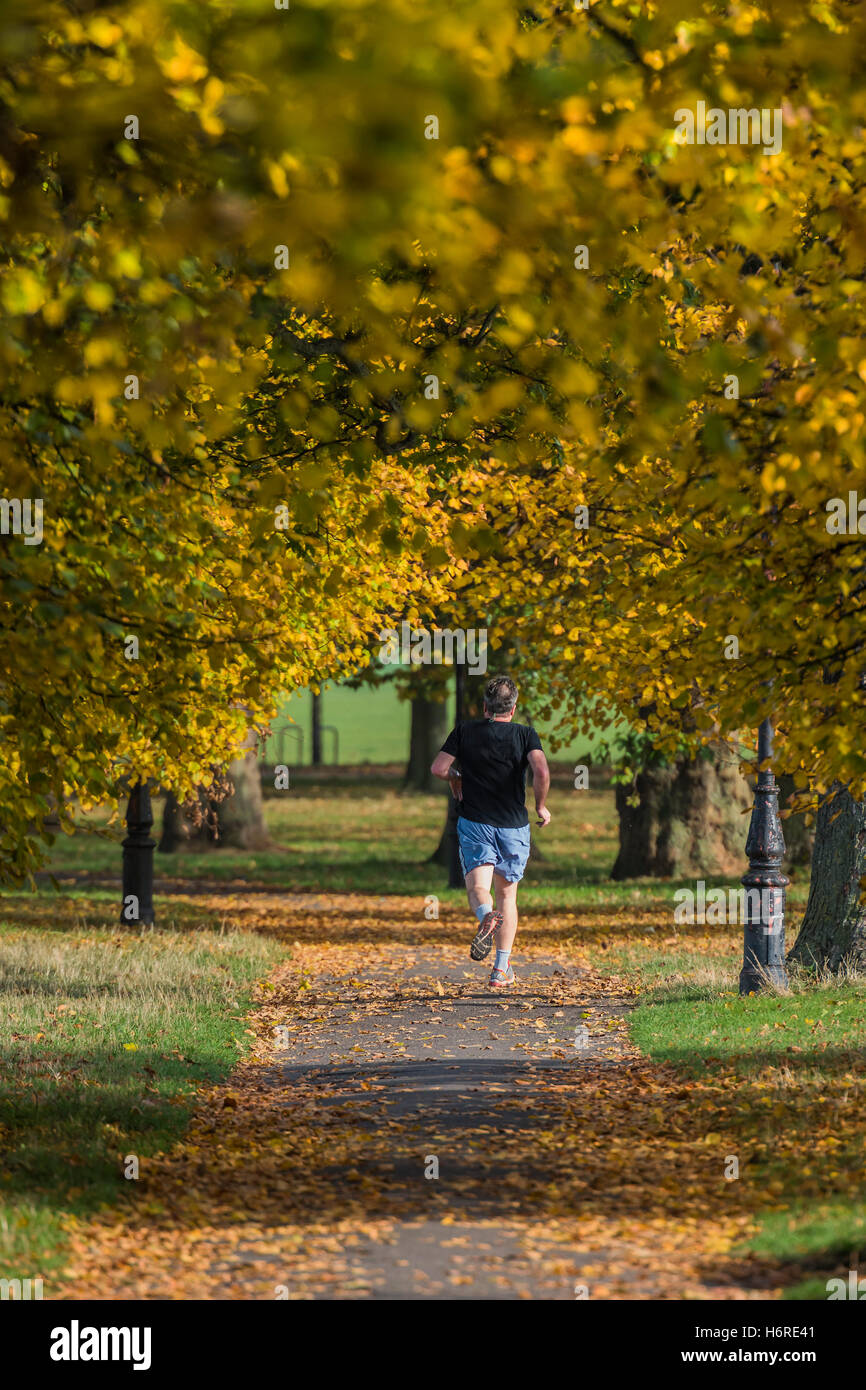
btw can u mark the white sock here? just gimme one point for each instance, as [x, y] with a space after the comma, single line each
[501, 962]
[482, 911]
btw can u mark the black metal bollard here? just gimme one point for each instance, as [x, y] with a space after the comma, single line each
[138, 850]
[765, 884]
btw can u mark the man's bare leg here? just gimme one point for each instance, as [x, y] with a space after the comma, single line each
[506, 903]
[478, 882]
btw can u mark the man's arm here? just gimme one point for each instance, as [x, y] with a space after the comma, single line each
[441, 767]
[540, 783]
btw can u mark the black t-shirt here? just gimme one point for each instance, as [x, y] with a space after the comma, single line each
[493, 757]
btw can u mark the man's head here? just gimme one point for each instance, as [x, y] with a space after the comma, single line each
[500, 697]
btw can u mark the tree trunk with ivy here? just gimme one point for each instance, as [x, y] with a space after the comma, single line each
[690, 819]
[234, 822]
[833, 933]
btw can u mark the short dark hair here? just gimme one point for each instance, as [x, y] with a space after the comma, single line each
[500, 694]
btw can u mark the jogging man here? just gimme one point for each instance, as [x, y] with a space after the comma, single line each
[493, 826]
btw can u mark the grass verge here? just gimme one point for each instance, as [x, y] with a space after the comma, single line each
[106, 1036]
[784, 1076]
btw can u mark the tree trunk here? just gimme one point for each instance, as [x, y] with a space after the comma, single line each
[833, 934]
[442, 852]
[240, 817]
[179, 830]
[428, 733]
[689, 820]
[236, 822]
[799, 837]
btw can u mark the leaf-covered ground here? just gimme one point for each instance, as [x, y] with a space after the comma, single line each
[561, 1167]
[287, 1065]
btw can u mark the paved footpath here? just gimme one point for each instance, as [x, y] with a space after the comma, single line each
[470, 1064]
[399, 1132]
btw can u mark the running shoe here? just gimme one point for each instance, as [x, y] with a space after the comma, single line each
[483, 939]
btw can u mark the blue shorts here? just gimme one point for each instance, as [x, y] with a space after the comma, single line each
[505, 847]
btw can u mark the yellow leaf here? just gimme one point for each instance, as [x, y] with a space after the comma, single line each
[23, 292]
[98, 295]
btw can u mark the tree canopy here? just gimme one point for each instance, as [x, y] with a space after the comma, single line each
[315, 316]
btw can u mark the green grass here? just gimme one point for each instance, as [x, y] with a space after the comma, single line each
[364, 835]
[797, 1061]
[689, 1022]
[106, 1037]
[373, 724]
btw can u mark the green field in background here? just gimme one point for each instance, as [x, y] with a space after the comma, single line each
[373, 726]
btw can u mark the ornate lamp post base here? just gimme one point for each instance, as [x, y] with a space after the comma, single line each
[765, 884]
[138, 850]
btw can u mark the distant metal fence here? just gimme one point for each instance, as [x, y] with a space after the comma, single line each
[331, 729]
[273, 749]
